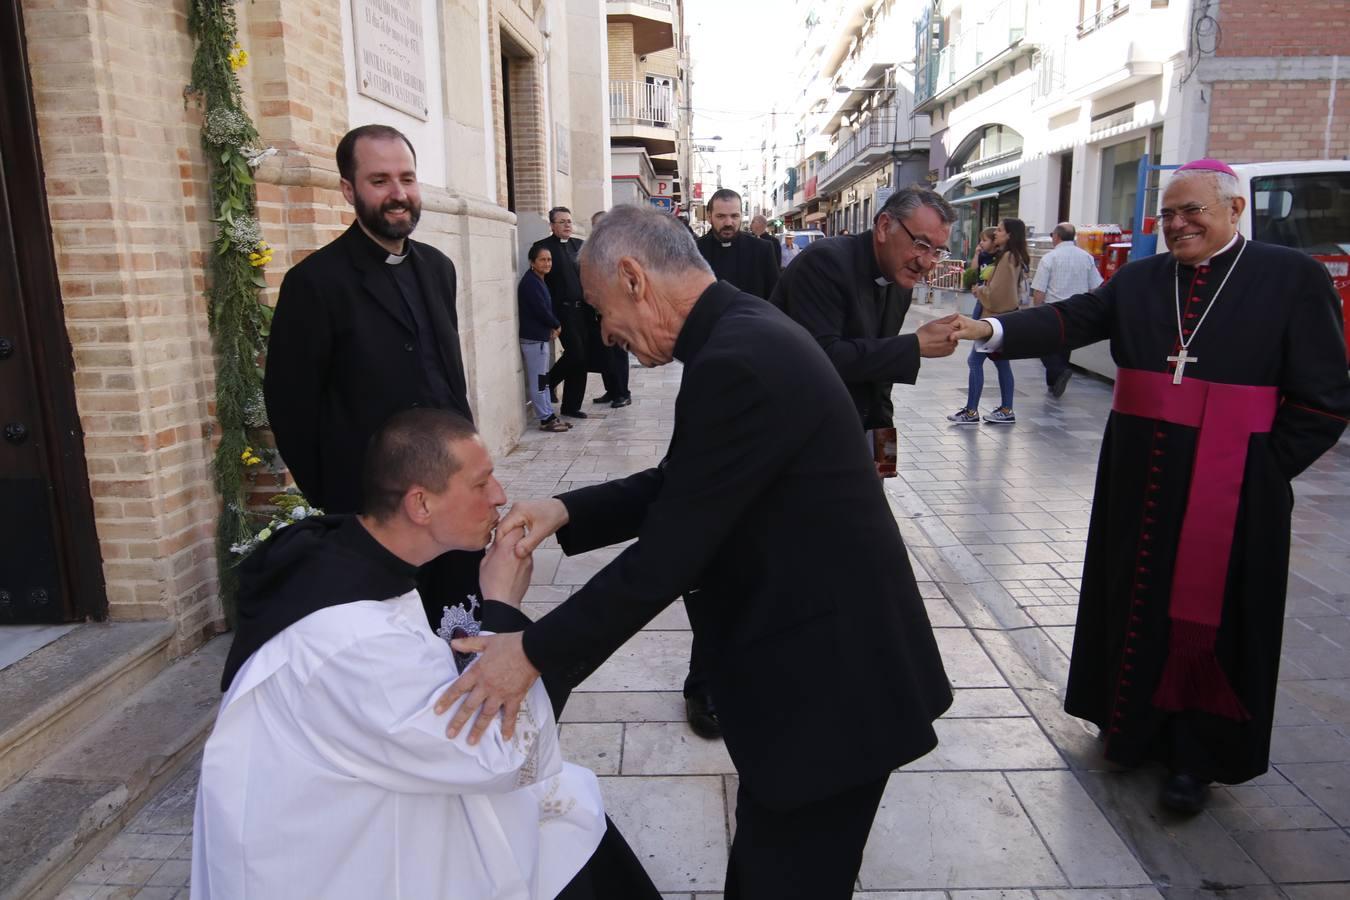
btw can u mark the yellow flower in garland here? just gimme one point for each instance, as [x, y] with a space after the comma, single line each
[250, 458]
[238, 58]
[261, 255]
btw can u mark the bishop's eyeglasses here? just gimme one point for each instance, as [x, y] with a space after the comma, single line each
[1190, 212]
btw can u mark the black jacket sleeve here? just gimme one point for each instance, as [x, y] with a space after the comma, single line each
[1313, 379]
[1059, 327]
[818, 295]
[768, 266]
[298, 352]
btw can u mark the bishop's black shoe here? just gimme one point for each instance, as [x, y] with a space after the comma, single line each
[1183, 793]
[575, 414]
[702, 716]
[606, 397]
[621, 402]
[1057, 389]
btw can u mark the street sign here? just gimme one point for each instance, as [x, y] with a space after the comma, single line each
[665, 204]
[663, 189]
[883, 194]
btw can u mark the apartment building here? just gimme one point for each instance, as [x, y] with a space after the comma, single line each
[649, 102]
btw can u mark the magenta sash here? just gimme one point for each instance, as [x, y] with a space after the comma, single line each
[1227, 416]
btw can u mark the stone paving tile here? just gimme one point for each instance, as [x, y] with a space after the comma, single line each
[597, 746]
[1087, 848]
[950, 830]
[649, 661]
[995, 744]
[1290, 856]
[968, 666]
[1145, 893]
[624, 706]
[671, 748]
[675, 825]
[985, 703]
[1326, 784]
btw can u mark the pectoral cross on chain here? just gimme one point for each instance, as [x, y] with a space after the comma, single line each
[1182, 359]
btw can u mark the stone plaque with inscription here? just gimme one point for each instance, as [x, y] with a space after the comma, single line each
[390, 56]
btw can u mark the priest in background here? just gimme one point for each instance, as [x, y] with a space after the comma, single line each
[328, 774]
[1232, 380]
[737, 257]
[759, 227]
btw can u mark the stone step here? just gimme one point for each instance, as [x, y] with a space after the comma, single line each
[56, 818]
[58, 690]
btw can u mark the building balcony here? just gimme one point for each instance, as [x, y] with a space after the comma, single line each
[645, 114]
[874, 142]
[997, 38]
[653, 22]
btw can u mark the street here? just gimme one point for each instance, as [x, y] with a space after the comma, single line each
[1015, 803]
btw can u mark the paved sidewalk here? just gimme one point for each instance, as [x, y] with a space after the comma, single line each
[1015, 803]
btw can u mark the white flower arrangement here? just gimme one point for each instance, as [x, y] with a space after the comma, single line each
[290, 507]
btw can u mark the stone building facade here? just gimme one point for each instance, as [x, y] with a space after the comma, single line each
[515, 122]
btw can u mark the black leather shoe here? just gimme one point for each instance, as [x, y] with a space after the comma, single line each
[702, 716]
[606, 397]
[621, 403]
[1057, 389]
[1184, 794]
[575, 414]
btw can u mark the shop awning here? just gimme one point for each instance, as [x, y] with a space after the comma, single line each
[813, 217]
[980, 195]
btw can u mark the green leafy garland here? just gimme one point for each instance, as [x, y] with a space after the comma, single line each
[237, 316]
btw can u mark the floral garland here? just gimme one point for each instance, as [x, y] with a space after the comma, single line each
[238, 318]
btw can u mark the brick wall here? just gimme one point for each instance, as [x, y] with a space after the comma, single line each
[1260, 121]
[1271, 28]
[529, 143]
[622, 60]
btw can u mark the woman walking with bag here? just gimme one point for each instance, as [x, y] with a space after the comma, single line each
[1001, 295]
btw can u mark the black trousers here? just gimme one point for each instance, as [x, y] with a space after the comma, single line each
[612, 873]
[1055, 365]
[571, 370]
[809, 853]
[696, 682]
[615, 372]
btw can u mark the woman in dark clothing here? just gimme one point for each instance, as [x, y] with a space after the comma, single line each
[538, 326]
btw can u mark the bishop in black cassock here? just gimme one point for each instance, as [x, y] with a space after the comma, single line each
[1232, 380]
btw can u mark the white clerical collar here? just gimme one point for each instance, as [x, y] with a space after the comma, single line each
[562, 240]
[1226, 247]
[725, 243]
[394, 259]
[882, 280]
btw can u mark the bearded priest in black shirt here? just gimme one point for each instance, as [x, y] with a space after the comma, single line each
[735, 256]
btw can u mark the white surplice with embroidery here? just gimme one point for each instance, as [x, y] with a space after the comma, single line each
[329, 776]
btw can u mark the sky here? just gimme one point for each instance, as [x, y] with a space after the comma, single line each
[738, 66]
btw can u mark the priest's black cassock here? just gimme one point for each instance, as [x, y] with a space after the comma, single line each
[1142, 668]
[745, 261]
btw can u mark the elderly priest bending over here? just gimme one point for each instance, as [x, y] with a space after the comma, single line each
[1232, 381]
[328, 773]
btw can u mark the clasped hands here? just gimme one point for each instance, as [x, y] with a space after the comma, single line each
[940, 336]
[499, 678]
